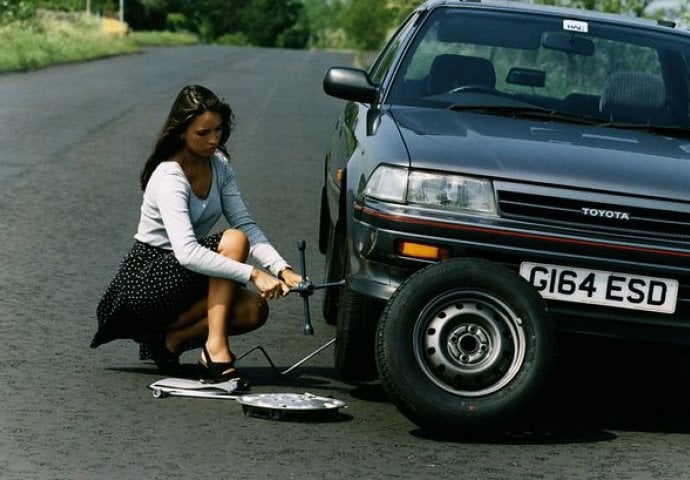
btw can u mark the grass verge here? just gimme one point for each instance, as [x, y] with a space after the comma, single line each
[53, 37]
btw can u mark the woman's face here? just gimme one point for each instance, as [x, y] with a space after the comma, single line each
[202, 136]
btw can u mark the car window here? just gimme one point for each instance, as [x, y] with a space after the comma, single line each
[590, 69]
[387, 56]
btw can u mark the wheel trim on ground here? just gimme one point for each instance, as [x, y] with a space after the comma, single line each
[469, 342]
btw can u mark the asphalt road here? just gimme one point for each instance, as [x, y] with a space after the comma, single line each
[72, 141]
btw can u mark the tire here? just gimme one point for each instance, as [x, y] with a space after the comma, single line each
[355, 336]
[463, 346]
[324, 222]
[334, 271]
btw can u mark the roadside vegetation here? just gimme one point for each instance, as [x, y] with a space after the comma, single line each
[49, 37]
[37, 33]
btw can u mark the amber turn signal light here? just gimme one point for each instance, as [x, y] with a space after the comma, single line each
[422, 250]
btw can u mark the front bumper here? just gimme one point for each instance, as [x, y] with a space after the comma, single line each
[378, 268]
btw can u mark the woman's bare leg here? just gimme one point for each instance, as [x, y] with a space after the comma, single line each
[195, 313]
[233, 245]
[249, 312]
[227, 310]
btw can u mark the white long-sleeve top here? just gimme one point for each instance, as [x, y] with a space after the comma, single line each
[174, 218]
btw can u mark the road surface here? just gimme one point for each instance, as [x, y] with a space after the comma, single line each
[73, 139]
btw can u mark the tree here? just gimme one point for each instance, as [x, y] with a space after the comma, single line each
[367, 23]
[16, 10]
[402, 9]
[267, 23]
[147, 14]
[612, 6]
[325, 30]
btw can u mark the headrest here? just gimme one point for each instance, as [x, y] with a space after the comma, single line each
[633, 97]
[451, 71]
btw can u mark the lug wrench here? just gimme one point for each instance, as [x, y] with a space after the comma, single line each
[305, 289]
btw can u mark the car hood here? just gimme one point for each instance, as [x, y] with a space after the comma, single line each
[546, 152]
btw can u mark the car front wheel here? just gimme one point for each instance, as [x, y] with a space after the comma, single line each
[355, 335]
[463, 345]
[334, 272]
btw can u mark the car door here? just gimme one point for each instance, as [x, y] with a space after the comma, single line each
[351, 125]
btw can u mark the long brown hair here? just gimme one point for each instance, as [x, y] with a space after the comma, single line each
[193, 100]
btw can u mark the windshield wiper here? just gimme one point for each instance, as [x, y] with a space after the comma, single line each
[526, 112]
[549, 114]
[664, 130]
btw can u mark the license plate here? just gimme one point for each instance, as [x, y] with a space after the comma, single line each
[599, 287]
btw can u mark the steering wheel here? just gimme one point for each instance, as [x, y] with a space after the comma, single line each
[474, 88]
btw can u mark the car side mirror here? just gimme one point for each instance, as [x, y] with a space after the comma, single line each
[350, 84]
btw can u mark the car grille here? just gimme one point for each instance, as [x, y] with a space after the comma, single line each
[644, 222]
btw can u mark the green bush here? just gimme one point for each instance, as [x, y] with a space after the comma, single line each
[177, 22]
[58, 37]
[162, 39]
[238, 39]
[16, 11]
[51, 38]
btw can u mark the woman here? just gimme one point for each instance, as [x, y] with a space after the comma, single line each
[178, 288]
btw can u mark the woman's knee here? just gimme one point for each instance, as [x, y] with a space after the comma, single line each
[249, 314]
[234, 244]
[260, 313]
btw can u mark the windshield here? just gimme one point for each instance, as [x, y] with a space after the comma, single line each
[612, 73]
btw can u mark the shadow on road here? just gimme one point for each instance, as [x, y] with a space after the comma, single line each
[618, 385]
[599, 386]
[308, 378]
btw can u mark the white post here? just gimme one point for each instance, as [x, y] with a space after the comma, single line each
[122, 10]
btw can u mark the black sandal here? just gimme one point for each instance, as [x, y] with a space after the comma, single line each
[217, 372]
[167, 362]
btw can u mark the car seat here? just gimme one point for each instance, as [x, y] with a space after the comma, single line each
[450, 71]
[634, 97]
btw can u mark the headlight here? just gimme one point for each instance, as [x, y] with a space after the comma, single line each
[432, 189]
[388, 184]
[453, 192]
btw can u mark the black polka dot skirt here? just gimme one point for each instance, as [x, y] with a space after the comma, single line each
[146, 295]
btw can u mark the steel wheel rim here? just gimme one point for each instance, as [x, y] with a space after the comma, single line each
[469, 343]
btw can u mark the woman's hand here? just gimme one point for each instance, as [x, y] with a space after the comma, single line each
[268, 285]
[291, 278]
